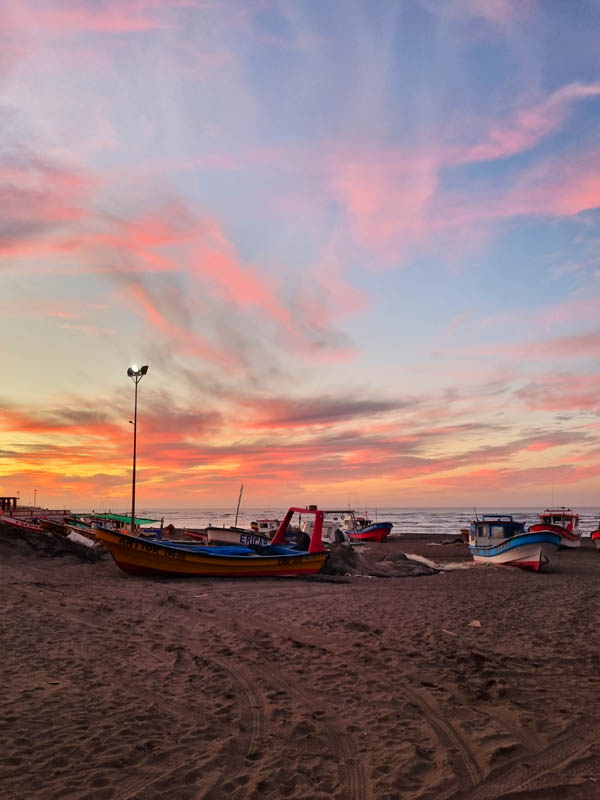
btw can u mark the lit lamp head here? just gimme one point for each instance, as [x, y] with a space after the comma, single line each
[137, 372]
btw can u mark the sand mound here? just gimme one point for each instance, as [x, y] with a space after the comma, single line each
[46, 544]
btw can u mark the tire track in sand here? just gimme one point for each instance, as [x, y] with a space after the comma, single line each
[520, 773]
[254, 715]
[467, 769]
[352, 770]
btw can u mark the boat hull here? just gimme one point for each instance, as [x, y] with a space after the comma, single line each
[235, 536]
[142, 557]
[527, 550]
[52, 525]
[567, 538]
[596, 538]
[13, 522]
[371, 533]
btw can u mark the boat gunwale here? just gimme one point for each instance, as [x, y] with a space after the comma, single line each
[510, 543]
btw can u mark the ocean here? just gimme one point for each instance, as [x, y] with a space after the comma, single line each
[439, 521]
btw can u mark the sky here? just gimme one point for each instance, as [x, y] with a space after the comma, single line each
[356, 243]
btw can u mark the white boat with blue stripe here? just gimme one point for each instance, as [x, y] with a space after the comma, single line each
[499, 539]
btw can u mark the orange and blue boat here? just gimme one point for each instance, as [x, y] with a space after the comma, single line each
[139, 556]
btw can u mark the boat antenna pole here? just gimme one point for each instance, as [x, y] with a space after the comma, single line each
[238, 505]
[476, 517]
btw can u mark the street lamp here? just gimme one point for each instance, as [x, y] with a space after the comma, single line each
[136, 374]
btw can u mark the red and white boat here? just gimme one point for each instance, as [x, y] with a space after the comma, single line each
[27, 517]
[562, 521]
[346, 526]
[596, 537]
[362, 529]
[21, 524]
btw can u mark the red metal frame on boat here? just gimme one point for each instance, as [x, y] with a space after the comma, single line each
[315, 539]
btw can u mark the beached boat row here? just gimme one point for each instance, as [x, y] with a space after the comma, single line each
[270, 547]
[499, 539]
[338, 526]
[276, 547]
[236, 552]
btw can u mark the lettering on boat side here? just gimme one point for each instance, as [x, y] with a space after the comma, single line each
[248, 538]
[149, 547]
[174, 554]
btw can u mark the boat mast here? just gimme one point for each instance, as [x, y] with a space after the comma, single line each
[238, 505]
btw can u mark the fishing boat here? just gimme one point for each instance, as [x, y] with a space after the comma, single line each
[235, 536]
[346, 526]
[213, 535]
[141, 556]
[499, 539]
[595, 536]
[21, 524]
[332, 531]
[13, 513]
[267, 526]
[232, 535]
[53, 526]
[362, 529]
[117, 522]
[561, 521]
[74, 525]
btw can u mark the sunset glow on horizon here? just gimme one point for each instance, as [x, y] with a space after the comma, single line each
[354, 242]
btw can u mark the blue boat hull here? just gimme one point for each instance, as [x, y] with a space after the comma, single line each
[526, 550]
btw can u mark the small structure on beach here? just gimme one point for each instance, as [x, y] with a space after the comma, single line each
[9, 508]
[8, 504]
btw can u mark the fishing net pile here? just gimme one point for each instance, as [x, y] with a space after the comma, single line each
[348, 561]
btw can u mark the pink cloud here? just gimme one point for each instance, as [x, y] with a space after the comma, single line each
[385, 197]
[188, 341]
[555, 188]
[302, 413]
[90, 330]
[37, 193]
[580, 345]
[110, 16]
[242, 284]
[168, 238]
[393, 200]
[562, 392]
[546, 444]
[547, 317]
[496, 12]
[501, 478]
[528, 126]
[583, 345]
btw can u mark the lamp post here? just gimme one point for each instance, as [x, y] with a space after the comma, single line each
[136, 374]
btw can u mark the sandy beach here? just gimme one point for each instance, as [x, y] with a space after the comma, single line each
[131, 688]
